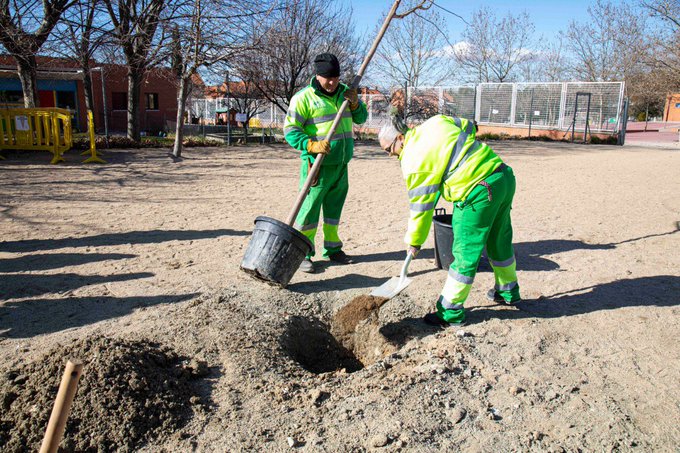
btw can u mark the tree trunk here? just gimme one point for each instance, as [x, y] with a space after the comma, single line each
[182, 95]
[26, 66]
[134, 86]
[646, 116]
[87, 88]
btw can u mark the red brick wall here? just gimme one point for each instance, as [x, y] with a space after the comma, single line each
[524, 132]
[670, 111]
[150, 121]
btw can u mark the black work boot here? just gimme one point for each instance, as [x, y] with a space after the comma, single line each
[433, 320]
[307, 266]
[496, 297]
[340, 258]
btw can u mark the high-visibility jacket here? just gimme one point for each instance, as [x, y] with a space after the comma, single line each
[441, 156]
[310, 116]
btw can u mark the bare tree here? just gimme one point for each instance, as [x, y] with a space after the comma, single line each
[135, 23]
[79, 36]
[413, 51]
[24, 28]
[249, 102]
[664, 46]
[493, 48]
[206, 33]
[294, 34]
[554, 67]
[597, 45]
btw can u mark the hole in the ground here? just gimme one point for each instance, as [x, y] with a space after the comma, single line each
[309, 342]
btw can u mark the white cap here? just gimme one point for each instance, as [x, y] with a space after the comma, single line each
[388, 133]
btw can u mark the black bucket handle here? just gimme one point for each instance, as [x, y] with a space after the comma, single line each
[439, 211]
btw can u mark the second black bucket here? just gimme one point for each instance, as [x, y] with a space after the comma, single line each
[275, 251]
[443, 239]
[443, 242]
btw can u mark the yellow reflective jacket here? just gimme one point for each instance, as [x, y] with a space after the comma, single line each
[310, 116]
[441, 156]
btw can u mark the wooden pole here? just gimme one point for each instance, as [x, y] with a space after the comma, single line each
[62, 406]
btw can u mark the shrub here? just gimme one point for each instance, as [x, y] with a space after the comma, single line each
[610, 140]
[121, 142]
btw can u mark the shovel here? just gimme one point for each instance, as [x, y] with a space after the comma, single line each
[395, 285]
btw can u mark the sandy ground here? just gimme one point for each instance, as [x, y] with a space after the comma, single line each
[145, 248]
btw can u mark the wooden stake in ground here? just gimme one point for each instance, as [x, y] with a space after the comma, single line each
[62, 406]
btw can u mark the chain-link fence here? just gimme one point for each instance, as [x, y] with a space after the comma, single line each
[560, 106]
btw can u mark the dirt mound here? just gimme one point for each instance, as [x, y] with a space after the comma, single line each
[345, 321]
[130, 393]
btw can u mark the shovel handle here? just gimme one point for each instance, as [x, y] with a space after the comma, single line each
[404, 267]
[62, 406]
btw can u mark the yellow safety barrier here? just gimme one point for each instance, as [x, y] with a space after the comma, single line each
[39, 129]
[93, 149]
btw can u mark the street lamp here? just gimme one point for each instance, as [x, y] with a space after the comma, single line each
[106, 121]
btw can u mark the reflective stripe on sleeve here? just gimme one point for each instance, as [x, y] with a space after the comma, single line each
[296, 116]
[423, 190]
[421, 207]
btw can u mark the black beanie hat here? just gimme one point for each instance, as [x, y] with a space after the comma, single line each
[327, 65]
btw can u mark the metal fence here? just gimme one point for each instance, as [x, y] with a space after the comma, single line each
[559, 105]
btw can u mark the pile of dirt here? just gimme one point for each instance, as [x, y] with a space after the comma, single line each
[131, 392]
[345, 321]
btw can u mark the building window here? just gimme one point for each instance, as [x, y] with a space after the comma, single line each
[119, 101]
[10, 97]
[152, 101]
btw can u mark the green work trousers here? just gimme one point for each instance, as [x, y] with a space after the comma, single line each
[329, 194]
[481, 221]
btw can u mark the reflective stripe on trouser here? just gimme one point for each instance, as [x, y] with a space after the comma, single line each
[329, 194]
[477, 223]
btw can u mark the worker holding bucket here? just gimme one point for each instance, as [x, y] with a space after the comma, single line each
[441, 157]
[308, 121]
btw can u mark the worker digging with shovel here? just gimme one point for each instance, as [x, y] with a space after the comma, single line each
[308, 121]
[441, 157]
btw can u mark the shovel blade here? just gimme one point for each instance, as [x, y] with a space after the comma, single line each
[391, 288]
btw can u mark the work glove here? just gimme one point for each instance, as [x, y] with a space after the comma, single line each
[352, 96]
[413, 250]
[320, 147]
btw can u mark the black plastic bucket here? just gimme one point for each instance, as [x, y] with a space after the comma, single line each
[443, 239]
[275, 251]
[443, 242]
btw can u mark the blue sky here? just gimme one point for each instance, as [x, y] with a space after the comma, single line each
[549, 17]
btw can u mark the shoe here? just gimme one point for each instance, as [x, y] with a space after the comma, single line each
[307, 266]
[434, 320]
[340, 258]
[496, 297]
